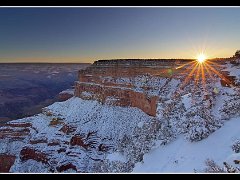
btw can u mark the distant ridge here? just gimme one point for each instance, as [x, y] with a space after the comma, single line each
[139, 61]
[148, 61]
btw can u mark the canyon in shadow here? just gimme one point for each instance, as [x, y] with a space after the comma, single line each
[26, 88]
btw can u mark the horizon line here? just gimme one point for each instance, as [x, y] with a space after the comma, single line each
[185, 59]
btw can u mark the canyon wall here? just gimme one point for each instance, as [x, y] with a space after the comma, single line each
[113, 82]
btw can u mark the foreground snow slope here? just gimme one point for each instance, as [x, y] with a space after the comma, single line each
[72, 135]
[184, 156]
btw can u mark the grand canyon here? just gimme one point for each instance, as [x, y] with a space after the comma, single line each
[121, 110]
[119, 89]
[27, 87]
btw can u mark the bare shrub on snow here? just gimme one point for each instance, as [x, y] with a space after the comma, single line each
[199, 124]
[236, 146]
[141, 141]
[212, 167]
[230, 107]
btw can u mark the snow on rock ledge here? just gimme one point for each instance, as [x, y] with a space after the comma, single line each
[82, 134]
[66, 94]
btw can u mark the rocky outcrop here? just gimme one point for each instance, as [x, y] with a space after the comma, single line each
[79, 141]
[30, 153]
[6, 161]
[67, 129]
[65, 95]
[66, 167]
[113, 82]
[25, 125]
[117, 96]
[13, 133]
[37, 141]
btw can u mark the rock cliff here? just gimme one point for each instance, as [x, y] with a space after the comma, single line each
[116, 82]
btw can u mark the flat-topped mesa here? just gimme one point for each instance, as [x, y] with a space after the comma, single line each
[114, 82]
[129, 68]
[139, 62]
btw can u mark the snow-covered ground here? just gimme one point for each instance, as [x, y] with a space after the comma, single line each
[184, 156]
[109, 121]
[233, 71]
[108, 124]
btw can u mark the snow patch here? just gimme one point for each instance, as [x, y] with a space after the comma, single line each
[68, 91]
[116, 156]
[86, 94]
[140, 124]
[186, 99]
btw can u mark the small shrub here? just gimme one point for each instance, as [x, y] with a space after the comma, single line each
[48, 113]
[212, 167]
[236, 146]
[55, 121]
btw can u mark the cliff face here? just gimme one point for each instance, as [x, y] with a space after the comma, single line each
[114, 82]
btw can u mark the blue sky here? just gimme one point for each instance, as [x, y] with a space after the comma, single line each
[87, 34]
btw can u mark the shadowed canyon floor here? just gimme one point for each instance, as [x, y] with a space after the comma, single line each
[26, 88]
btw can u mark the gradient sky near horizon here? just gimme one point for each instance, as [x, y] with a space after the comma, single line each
[88, 34]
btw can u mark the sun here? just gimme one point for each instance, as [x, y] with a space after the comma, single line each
[201, 58]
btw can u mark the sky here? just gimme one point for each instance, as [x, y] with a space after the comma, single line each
[86, 34]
